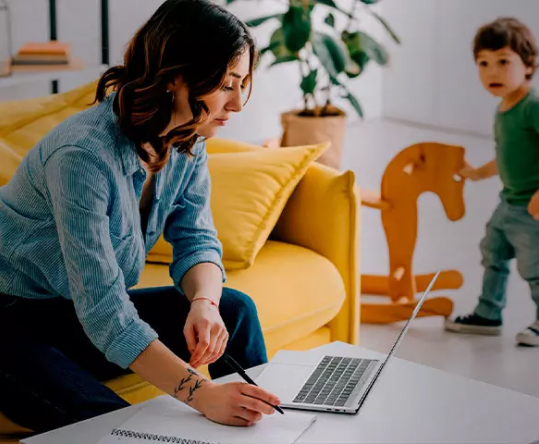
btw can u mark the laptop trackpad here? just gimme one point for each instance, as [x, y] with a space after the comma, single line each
[284, 380]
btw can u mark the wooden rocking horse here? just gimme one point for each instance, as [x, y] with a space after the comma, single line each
[415, 170]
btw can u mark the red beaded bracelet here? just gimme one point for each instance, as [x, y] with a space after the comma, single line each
[212, 302]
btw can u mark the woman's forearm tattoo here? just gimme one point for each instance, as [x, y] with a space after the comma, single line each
[184, 384]
[193, 389]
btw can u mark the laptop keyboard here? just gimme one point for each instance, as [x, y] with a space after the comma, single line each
[334, 380]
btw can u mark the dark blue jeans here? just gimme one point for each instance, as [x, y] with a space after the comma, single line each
[51, 374]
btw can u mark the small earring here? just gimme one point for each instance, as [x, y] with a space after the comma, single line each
[171, 92]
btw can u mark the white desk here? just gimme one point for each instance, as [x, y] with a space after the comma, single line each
[410, 403]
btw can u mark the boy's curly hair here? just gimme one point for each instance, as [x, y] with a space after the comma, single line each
[508, 31]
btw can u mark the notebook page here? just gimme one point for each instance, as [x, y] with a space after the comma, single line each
[166, 417]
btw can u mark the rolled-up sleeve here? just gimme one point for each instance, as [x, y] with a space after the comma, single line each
[189, 227]
[79, 189]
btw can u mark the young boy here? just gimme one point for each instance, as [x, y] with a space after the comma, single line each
[506, 55]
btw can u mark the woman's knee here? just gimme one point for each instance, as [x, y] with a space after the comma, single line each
[237, 304]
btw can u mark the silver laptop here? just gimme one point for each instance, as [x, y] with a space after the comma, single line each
[333, 384]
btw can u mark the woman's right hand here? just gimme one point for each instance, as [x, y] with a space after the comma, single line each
[233, 403]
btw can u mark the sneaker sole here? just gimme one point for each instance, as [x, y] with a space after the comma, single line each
[472, 329]
[523, 339]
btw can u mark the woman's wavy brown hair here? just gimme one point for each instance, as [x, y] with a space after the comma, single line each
[194, 39]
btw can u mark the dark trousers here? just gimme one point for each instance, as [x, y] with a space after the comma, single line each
[51, 374]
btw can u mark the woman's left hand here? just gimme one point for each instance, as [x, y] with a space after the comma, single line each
[205, 333]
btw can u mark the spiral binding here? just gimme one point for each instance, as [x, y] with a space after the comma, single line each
[155, 438]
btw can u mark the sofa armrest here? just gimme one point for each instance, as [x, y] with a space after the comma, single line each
[323, 215]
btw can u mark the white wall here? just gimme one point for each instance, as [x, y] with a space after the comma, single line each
[276, 89]
[433, 79]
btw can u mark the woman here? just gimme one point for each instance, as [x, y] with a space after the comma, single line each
[85, 207]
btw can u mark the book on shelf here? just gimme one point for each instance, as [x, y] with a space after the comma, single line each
[51, 47]
[43, 53]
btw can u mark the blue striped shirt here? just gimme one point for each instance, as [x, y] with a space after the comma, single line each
[70, 226]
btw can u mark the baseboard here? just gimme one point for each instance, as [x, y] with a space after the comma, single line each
[439, 128]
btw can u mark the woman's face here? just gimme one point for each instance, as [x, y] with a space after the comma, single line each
[228, 99]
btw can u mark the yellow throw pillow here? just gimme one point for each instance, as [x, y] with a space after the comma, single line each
[10, 162]
[249, 191]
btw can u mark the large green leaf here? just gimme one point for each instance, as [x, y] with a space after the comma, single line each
[277, 46]
[346, 94]
[384, 23]
[360, 42]
[354, 102]
[329, 3]
[258, 21]
[296, 28]
[271, 47]
[361, 59]
[308, 84]
[337, 51]
[357, 54]
[299, 3]
[352, 68]
[330, 52]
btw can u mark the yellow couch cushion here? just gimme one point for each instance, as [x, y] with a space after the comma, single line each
[10, 162]
[217, 145]
[26, 122]
[301, 292]
[249, 191]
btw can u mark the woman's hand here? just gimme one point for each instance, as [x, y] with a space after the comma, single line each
[205, 333]
[233, 403]
[533, 206]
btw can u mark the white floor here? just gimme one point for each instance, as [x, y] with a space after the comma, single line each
[447, 245]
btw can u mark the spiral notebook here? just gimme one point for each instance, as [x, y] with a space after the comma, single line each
[165, 420]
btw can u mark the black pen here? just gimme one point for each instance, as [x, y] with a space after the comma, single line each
[230, 361]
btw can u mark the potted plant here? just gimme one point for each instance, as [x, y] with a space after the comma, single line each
[328, 54]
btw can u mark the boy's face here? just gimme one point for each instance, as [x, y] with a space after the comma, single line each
[502, 71]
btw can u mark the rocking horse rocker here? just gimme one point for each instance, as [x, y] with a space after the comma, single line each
[415, 170]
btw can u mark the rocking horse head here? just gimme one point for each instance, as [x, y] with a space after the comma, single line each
[427, 167]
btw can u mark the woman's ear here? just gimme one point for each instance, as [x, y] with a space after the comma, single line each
[171, 86]
[175, 84]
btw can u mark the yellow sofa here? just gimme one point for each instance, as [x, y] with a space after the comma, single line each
[305, 279]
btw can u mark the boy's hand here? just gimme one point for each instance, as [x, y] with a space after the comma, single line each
[533, 206]
[469, 172]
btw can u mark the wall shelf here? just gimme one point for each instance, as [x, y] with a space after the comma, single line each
[26, 74]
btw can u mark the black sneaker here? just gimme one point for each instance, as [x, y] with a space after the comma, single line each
[475, 325]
